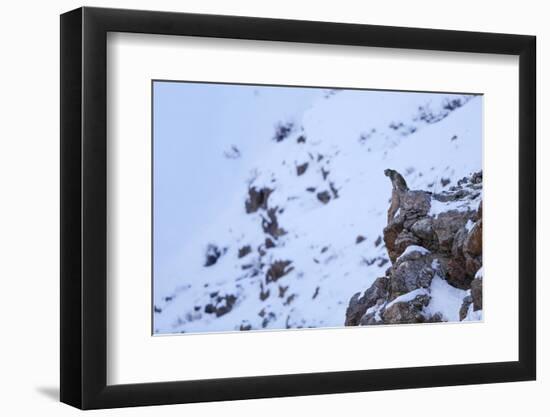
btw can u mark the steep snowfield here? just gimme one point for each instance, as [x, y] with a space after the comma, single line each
[347, 138]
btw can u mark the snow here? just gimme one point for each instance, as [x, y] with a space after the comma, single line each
[438, 207]
[469, 225]
[446, 299]
[414, 249]
[376, 310]
[213, 143]
[472, 315]
[479, 273]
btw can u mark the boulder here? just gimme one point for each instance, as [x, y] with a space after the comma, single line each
[213, 253]
[465, 306]
[424, 231]
[323, 197]
[403, 240]
[448, 244]
[277, 270]
[301, 169]
[221, 305]
[411, 271]
[245, 250]
[415, 203]
[270, 224]
[390, 233]
[358, 305]
[257, 199]
[447, 224]
[477, 293]
[473, 247]
[406, 312]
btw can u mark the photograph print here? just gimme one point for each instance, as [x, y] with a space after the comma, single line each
[290, 207]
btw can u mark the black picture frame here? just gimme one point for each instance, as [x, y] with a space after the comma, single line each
[84, 207]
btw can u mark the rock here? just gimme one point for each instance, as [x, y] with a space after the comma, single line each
[282, 131]
[316, 293]
[359, 305]
[409, 273]
[277, 270]
[403, 240]
[245, 326]
[415, 204]
[382, 261]
[466, 251]
[222, 305]
[424, 231]
[398, 234]
[406, 312]
[477, 293]
[269, 243]
[473, 243]
[372, 316]
[447, 224]
[456, 273]
[289, 299]
[257, 199]
[232, 153]
[390, 233]
[301, 169]
[333, 189]
[270, 224]
[268, 318]
[359, 239]
[323, 197]
[477, 177]
[213, 253]
[435, 318]
[465, 306]
[264, 294]
[245, 250]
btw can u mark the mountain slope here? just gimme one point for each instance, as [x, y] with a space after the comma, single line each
[297, 231]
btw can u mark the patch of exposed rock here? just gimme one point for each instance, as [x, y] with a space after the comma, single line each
[270, 224]
[213, 253]
[257, 199]
[277, 270]
[220, 305]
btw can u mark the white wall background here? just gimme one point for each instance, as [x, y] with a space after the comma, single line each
[29, 209]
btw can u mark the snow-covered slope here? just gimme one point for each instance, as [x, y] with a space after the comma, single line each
[294, 256]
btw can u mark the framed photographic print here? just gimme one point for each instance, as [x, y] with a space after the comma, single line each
[256, 207]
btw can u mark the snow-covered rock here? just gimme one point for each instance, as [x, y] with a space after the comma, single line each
[442, 283]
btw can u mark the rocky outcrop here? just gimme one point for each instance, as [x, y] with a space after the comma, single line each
[213, 253]
[360, 304]
[257, 199]
[429, 235]
[277, 270]
[477, 293]
[221, 304]
[270, 224]
[409, 311]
